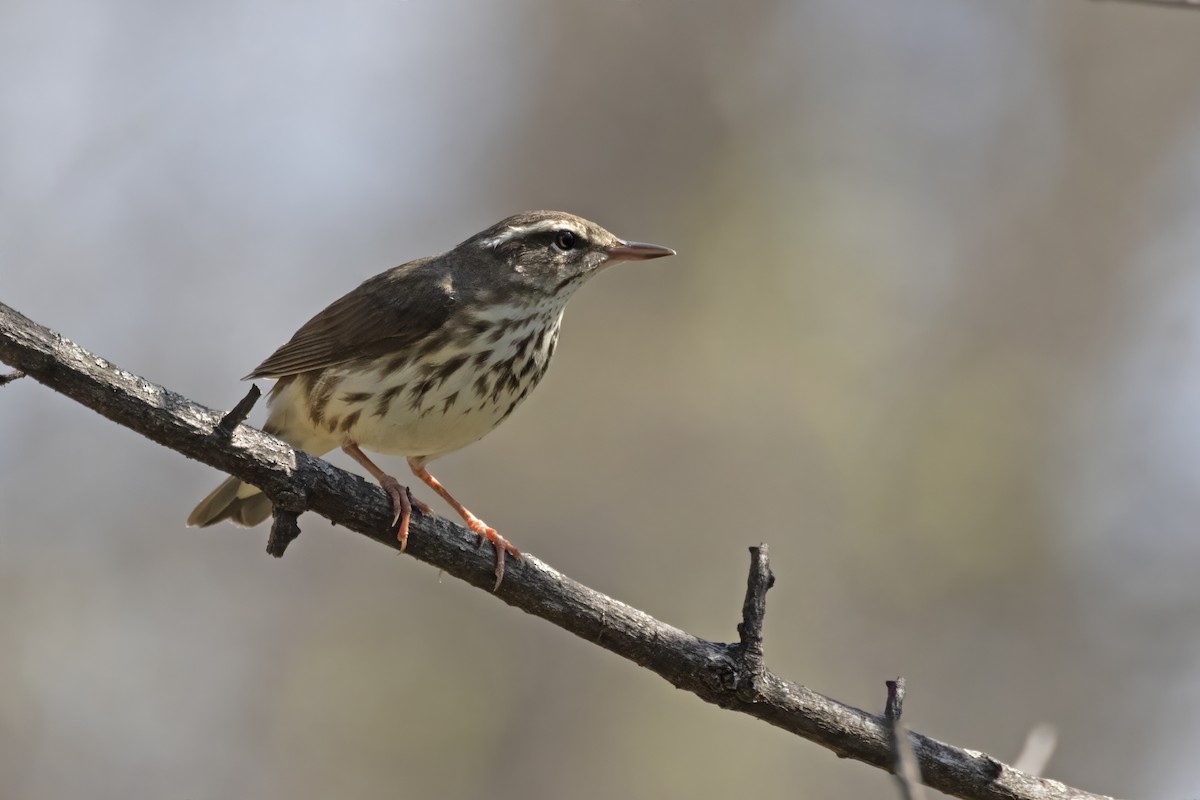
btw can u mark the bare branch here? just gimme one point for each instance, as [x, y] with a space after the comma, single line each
[285, 528]
[728, 675]
[754, 609]
[15, 375]
[237, 415]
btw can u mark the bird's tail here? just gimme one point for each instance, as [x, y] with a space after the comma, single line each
[233, 500]
[246, 504]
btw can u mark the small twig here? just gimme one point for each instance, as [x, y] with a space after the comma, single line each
[15, 375]
[906, 769]
[754, 609]
[284, 530]
[239, 412]
[895, 699]
[286, 507]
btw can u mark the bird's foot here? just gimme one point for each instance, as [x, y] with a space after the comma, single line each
[501, 544]
[402, 505]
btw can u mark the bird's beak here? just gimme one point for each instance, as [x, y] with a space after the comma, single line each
[636, 251]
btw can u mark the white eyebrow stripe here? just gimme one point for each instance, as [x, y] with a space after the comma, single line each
[517, 231]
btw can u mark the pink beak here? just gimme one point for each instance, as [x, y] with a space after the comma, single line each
[636, 251]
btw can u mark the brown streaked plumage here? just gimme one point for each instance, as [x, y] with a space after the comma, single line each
[425, 358]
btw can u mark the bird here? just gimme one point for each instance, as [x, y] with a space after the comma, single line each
[428, 357]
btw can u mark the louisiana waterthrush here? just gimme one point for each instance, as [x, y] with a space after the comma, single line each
[428, 357]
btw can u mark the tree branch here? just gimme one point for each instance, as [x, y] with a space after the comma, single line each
[731, 676]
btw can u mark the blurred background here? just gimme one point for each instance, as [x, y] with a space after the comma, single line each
[932, 333]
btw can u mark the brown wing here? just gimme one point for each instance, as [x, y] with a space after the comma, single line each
[386, 314]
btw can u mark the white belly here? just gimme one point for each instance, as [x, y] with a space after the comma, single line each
[447, 400]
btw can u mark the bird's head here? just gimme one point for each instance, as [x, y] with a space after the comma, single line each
[551, 252]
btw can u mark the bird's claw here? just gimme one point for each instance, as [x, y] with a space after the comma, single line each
[497, 541]
[402, 506]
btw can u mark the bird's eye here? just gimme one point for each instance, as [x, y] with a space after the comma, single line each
[564, 240]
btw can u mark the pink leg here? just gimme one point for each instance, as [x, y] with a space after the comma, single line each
[402, 504]
[473, 522]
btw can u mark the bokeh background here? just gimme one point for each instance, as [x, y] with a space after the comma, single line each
[932, 333]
